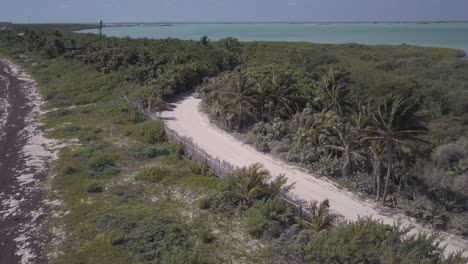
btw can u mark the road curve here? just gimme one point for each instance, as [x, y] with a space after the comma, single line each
[185, 118]
[23, 165]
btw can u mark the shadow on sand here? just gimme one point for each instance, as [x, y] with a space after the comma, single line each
[169, 106]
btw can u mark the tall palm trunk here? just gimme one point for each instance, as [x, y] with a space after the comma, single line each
[376, 178]
[262, 107]
[389, 171]
[240, 116]
[347, 166]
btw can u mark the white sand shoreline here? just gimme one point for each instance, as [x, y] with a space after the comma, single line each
[24, 197]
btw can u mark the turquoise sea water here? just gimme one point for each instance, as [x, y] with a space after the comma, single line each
[450, 35]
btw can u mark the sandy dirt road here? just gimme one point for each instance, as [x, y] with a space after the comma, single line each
[24, 160]
[185, 118]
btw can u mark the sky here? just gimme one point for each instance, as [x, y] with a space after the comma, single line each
[57, 11]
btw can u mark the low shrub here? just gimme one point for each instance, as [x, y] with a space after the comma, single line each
[276, 210]
[449, 168]
[153, 174]
[86, 109]
[204, 203]
[58, 113]
[268, 218]
[87, 137]
[180, 256]
[178, 149]
[446, 156]
[100, 162]
[148, 132]
[199, 168]
[288, 248]
[108, 223]
[71, 129]
[69, 169]
[328, 166]
[147, 152]
[370, 241]
[122, 113]
[223, 201]
[94, 187]
[425, 210]
[255, 223]
[116, 237]
[260, 136]
[206, 235]
[128, 192]
[85, 153]
[151, 239]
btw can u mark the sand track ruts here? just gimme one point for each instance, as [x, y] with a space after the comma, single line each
[185, 118]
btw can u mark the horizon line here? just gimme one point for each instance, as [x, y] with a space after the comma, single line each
[243, 22]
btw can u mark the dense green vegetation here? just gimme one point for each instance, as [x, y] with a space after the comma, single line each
[122, 193]
[153, 71]
[389, 122]
[128, 196]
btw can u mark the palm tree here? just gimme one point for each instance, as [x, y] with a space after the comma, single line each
[213, 92]
[440, 106]
[350, 141]
[211, 88]
[321, 216]
[204, 41]
[283, 95]
[251, 183]
[377, 149]
[333, 94]
[279, 186]
[395, 123]
[222, 109]
[137, 75]
[305, 127]
[241, 94]
[262, 87]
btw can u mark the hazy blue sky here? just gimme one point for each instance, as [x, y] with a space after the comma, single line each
[231, 10]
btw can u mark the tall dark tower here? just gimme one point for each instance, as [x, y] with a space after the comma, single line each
[100, 28]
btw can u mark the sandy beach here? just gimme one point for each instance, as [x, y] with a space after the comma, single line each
[24, 163]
